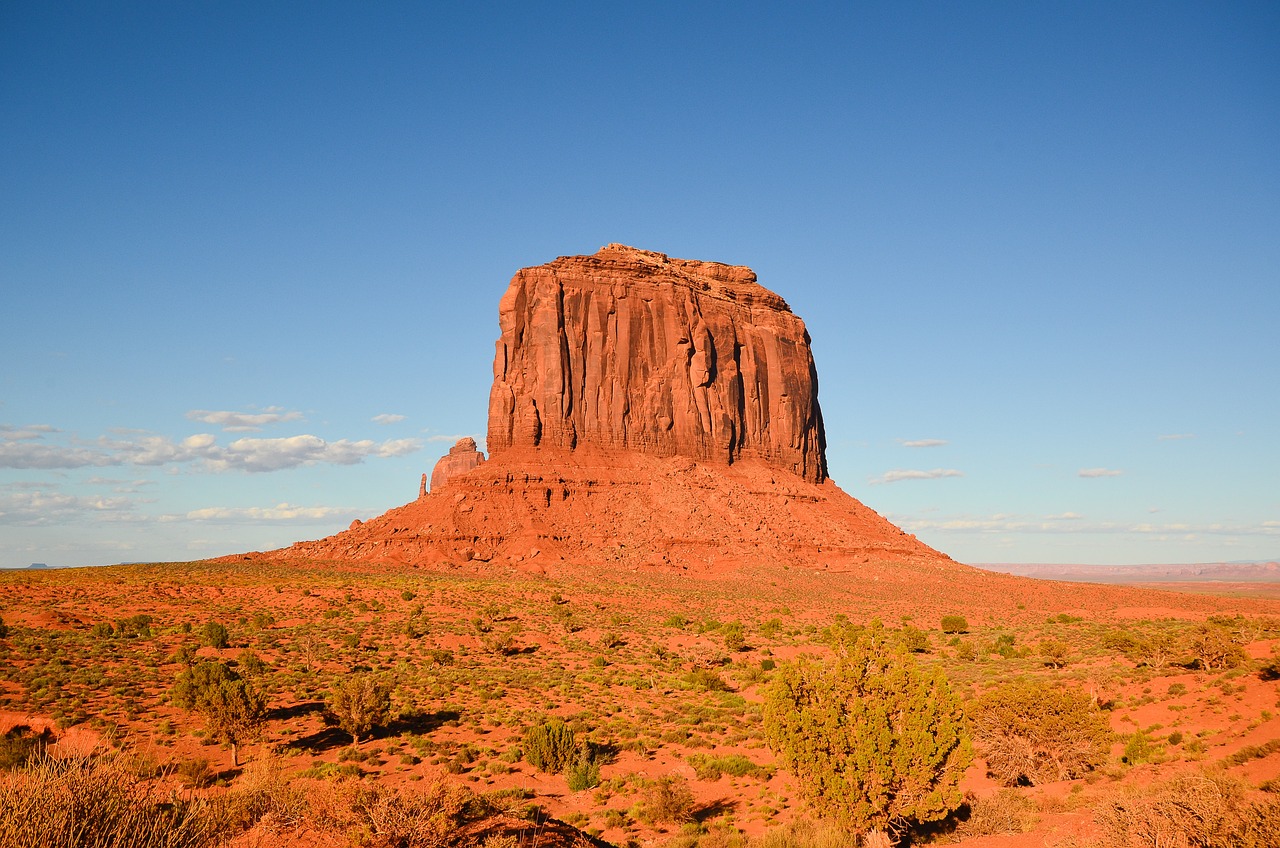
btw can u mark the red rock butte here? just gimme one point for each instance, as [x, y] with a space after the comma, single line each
[645, 411]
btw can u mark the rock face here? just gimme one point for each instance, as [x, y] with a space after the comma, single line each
[460, 459]
[630, 350]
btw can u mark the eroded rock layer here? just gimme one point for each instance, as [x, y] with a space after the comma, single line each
[630, 350]
[546, 509]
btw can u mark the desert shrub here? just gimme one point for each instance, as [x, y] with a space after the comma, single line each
[712, 768]
[195, 772]
[1055, 652]
[583, 770]
[954, 624]
[264, 796]
[4, 628]
[1005, 811]
[735, 638]
[913, 639]
[192, 688]
[134, 627]
[1206, 810]
[358, 703]
[807, 833]
[1141, 748]
[102, 630]
[875, 742]
[1215, 647]
[234, 710]
[1003, 645]
[706, 680]
[427, 815]
[550, 746]
[83, 802]
[666, 800]
[215, 635]
[1035, 732]
[251, 662]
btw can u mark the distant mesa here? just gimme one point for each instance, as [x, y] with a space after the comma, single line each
[645, 411]
[37, 565]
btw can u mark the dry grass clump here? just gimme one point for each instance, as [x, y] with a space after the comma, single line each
[806, 833]
[1005, 811]
[1203, 810]
[428, 816]
[1036, 732]
[87, 802]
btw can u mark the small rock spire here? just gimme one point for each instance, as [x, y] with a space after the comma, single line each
[422, 488]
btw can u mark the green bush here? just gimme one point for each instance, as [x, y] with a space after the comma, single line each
[358, 703]
[215, 635]
[550, 747]
[583, 771]
[666, 800]
[1036, 732]
[954, 624]
[1215, 647]
[874, 741]
[735, 638]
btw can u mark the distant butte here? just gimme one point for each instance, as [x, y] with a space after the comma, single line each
[648, 412]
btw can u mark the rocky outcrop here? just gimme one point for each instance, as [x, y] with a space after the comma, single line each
[460, 459]
[646, 413]
[630, 350]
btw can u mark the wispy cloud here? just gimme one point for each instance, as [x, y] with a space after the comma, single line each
[1077, 525]
[1173, 437]
[243, 422]
[203, 449]
[1098, 472]
[37, 507]
[291, 452]
[387, 418]
[280, 513]
[899, 474]
[923, 443]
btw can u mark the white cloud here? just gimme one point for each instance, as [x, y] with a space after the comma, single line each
[923, 443]
[40, 507]
[899, 474]
[282, 512]
[1058, 525]
[10, 433]
[246, 454]
[1175, 436]
[1098, 472]
[1066, 516]
[243, 422]
[387, 418]
[293, 451]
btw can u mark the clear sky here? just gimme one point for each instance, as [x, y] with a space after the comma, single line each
[251, 253]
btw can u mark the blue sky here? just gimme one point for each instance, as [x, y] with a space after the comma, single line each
[251, 253]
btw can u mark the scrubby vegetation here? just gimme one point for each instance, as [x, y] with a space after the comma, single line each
[876, 743]
[669, 712]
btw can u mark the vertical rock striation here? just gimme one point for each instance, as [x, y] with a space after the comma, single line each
[632, 350]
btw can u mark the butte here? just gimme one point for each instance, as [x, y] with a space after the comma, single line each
[646, 412]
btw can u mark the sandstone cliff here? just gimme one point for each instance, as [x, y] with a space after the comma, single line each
[631, 350]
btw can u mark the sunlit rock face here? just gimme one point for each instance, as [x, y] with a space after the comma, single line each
[630, 350]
